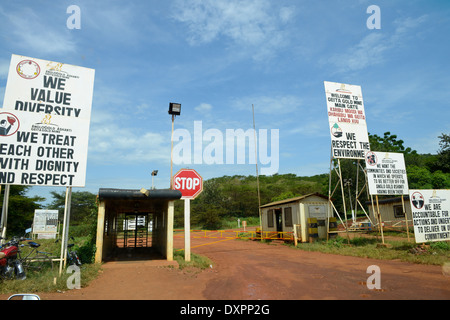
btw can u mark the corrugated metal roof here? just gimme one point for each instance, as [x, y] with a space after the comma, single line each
[276, 203]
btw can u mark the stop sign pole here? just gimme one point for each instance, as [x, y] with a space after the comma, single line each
[190, 183]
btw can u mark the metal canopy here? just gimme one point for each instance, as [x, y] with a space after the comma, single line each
[133, 194]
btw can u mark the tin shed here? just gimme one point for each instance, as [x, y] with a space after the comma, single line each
[281, 216]
[391, 211]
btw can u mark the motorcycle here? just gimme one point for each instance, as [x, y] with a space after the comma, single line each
[10, 266]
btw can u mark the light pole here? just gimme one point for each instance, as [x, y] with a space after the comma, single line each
[154, 173]
[174, 110]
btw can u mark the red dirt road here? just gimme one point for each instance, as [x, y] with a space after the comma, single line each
[249, 270]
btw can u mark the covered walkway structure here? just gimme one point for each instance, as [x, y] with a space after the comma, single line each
[135, 224]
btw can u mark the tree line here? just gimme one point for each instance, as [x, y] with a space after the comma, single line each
[230, 197]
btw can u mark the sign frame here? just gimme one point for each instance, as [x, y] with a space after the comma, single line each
[47, 109]
[386, 173]
[347, 121]
[430, 210]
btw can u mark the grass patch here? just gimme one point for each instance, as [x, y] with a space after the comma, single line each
[197, 261]
[436, 253]
[44, 281]
[48, 280]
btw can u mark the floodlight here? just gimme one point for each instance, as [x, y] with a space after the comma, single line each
[175, 108]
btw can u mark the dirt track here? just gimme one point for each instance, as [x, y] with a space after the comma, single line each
[247, 270]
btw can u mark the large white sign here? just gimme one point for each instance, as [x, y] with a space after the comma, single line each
[347, 121]
[45, 223]
[431, 214]
[44, 123]
[386, 173]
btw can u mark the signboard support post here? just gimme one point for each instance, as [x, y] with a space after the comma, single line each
[187, 229]
[406, 217]
[4, 212]
[379, 220]
[65, 231]
[343, 199]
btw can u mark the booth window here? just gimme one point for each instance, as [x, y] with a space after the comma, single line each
[288, 217]
[398, 211]
[270, 218]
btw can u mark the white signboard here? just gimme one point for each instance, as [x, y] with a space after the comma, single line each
[431, 214]
[44, 123]
[45, 223]
[347, 121]
[386, 173]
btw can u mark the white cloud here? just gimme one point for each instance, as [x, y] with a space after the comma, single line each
[371, 49]
[33, 33]
[110, 143]
[248, 24]
[203, 107]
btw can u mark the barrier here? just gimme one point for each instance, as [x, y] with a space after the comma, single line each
[236, 234]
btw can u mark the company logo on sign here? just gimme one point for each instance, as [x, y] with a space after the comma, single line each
[9, 124]
[336, 131]
[371, 158]
[417, 200]
[28, 69]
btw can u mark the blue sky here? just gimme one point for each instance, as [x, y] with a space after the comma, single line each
[217, 58]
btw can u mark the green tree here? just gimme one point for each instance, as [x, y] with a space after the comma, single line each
[443, 158]
[20, 209]
[83, 204]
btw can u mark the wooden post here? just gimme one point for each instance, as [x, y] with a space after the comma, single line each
[169, 231]
[343, 200]
[406, 218]
[295, 234]
[100, 232]
[379, 220]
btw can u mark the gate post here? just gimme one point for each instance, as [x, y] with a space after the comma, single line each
[100, 232]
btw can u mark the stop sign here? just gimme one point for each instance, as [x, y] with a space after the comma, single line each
[189, 182]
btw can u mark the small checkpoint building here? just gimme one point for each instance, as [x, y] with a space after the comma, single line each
[138, 222]
[281, 216]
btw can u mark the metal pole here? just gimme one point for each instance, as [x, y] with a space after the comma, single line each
[171, 155]
[4, 220]
[65, 232]
[187, 229]
[257, 174]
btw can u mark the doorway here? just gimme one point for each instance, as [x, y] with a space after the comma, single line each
[135, 230]
[279, 219]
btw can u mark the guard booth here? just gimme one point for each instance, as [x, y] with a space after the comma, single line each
[136, 224]
[282, 216]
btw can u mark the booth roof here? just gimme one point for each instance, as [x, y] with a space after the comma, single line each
[293, 199]
[165, 194]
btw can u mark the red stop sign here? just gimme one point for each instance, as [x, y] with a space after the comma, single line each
[189, 182]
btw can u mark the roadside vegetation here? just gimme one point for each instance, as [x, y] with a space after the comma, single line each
[436, 253]
[227, 199]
